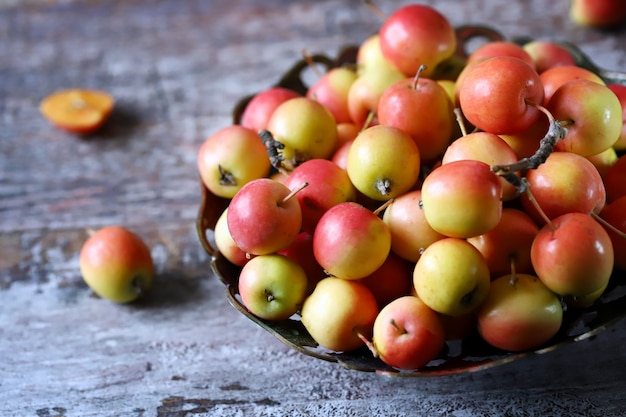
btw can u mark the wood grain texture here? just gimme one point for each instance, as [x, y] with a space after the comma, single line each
[176, 68]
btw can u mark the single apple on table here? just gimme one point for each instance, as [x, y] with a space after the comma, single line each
[272, 287]
[451, 277]
[339, 314]
[230, 158]
[520, 313]
[77, 110]
[116, 264]
[407, 334]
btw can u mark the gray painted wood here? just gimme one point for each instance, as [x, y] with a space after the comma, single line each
[176, 69]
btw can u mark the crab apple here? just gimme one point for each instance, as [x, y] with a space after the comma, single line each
[614, 214]
[526, 143]
[500, 48]
[272, 287]
[350, 241]
[573, 255]
[488, 148]
[416, 35]
[585, 300]
[620, 92]
[366, 90]
[451, 277]
[383, 162]
[500, 94]
[259, 109]
[230, 158]
[370, 56]
[328, 185]
[603, 161]
[305, 127]
[392, 280]
[593, 113]
[225, 243]
[410, 232]
[339, 314]
[407, 334]
[520, 313]
[462, 198]
[301, 251]
[459, 327]
[116, 264]
[346, 132]
[553, 78]
[420, 107]
[615, 180]
[547, 54]
[77, 110]
[566, 182]
[264, 217]
[598, 13]
[340, 156]
[506, 247]
[331, 90]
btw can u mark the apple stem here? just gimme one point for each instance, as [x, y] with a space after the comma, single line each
[383, 207]
[370, 345]
[556, 132]
[460, 121]
[608, 225]
[375, 9]
[416, 80]
[311, 63]
[542, 213]
[294, 192]
[368, 121]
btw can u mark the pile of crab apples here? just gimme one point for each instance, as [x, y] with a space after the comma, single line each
[398, 206]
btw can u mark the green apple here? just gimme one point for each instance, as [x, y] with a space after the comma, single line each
[383, 162]
[272, 287]
[116, 264]
[451, 277]
[339, 314]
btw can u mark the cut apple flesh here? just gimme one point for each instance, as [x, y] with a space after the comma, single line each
[77, 110]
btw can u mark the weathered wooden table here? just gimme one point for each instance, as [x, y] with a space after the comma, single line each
[176, 69]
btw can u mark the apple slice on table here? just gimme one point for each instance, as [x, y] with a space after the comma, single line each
[79, 111]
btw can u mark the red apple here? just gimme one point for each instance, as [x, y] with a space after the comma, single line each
[407, 334]
[262, 217]
[497, 95]
[593, 113]
[416, 35]
[462, 198]
[332, 89]
[301, 251]
[573, 255]
[350, 241]
[421, 108]
[339, 314]
[598, 13]
[230, 158]
[547, 54]
[615, 180]
[328, 185]
[520, 313]
[392, 280]
[615, 214]
[555, 77]
[620, 92]
[566, 182]
[500, 48]
[507, 246]
[259, 109]
[225, 243]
